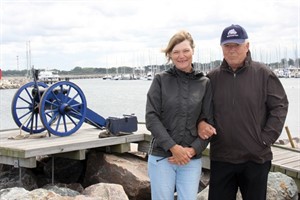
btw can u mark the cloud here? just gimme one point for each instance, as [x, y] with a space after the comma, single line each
[109, 33]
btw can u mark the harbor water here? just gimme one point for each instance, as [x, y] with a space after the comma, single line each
[117, 97]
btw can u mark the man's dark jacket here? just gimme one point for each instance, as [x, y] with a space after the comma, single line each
[250, 108]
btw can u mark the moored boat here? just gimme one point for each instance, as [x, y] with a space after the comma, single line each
[48, 76]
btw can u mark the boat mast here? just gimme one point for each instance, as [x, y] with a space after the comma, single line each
[28, 59]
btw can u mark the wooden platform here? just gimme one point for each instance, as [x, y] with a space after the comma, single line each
[24, 152]
[287, 161]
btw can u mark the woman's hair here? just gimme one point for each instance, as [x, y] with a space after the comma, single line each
[176, 39]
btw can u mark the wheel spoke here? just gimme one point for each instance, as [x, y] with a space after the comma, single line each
[71, 119]
[52, 118]
[76, 112]
[29, 122]
[61, 89]
[65, 124]
[55, 96]
[58, 122]
[25, 100]
[68, 93]
[71, 99]
[21, 108]
[25, 114]
[50, 111]
[29, 95]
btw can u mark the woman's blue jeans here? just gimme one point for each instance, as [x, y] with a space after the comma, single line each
[165, 177]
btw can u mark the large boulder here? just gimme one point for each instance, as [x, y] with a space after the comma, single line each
[284, 185]
[106, 191]
[124, 169]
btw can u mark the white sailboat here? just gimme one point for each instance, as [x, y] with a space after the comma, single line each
[150, 76]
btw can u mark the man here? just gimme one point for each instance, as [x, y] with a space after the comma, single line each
[250, 108]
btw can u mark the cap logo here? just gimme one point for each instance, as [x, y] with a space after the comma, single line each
[232, 33]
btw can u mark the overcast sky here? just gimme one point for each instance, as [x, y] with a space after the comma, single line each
[63, 34]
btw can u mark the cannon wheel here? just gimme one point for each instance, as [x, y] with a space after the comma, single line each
[63, 108]
[24, 107]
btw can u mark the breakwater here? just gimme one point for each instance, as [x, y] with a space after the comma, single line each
[12, 83]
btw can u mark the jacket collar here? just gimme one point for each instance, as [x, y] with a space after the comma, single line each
[191, 75]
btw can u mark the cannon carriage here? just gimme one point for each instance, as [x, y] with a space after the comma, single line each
[60, 109]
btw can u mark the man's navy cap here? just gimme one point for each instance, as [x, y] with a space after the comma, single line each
[234, 34]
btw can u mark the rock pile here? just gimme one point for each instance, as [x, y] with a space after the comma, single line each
[13, 83]
[109, 176]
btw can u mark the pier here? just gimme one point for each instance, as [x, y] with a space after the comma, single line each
[71, 77]
[24, 152]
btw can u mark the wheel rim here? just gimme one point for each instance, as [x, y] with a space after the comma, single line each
[25, 109]
[63, 108]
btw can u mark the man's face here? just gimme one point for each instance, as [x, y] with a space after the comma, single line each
[235, 54]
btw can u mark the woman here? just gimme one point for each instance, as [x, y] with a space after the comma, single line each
[178, 99]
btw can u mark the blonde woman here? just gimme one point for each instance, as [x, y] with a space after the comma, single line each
[176, 102]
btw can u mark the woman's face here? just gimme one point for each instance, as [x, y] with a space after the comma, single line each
[182, 56]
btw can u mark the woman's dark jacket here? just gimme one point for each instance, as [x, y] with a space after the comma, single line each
[176, 101]
[250, 108]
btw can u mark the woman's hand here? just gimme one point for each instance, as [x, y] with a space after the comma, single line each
[181, 155]
[205, 130]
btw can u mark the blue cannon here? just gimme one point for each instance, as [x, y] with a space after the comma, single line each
[60, 109]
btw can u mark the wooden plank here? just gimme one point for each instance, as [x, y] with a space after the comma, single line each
[120, 148]
[75, 155]
[88, 144]
[205, 162]
[285, 160]
[18, 162]
[292, 174]
[148, 137]
[283, 154]
[143, 146]
[277, 146]
[295, 165]
[279, 169]
[287, 168]
[12, 152]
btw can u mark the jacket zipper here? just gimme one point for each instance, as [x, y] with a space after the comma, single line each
[233, 99]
